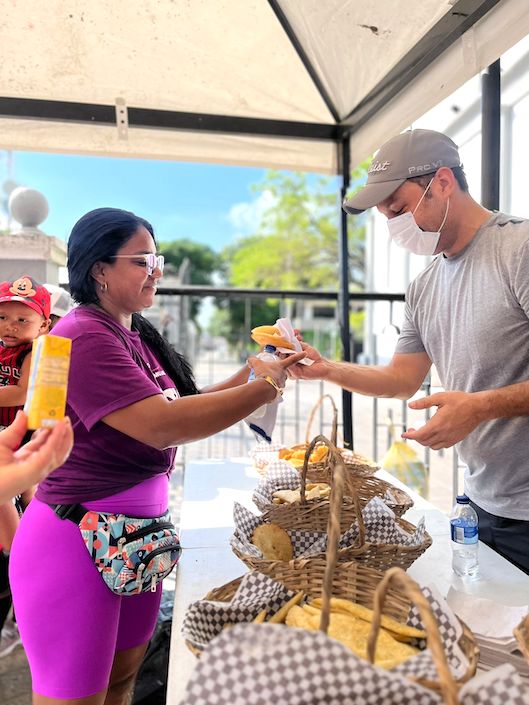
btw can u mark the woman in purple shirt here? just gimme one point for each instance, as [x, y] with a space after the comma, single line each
[131, 399]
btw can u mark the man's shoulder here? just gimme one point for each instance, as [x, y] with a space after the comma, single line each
[503, 222]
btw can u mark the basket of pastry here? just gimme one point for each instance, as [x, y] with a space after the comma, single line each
[413, 645]
[384, 621]
[282, 484]
[285, 537]
[355, 463]
[359, 477]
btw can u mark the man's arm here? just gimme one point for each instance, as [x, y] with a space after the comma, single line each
[400, 379]
[15, 394]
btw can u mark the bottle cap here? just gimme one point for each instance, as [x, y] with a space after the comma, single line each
[462, 499]
[269, 348]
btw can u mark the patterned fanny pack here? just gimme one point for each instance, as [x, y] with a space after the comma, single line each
[132, 554]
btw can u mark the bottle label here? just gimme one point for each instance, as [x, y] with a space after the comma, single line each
[464, 534]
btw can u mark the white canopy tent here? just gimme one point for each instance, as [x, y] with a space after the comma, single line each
[276, 83]
[309, 85]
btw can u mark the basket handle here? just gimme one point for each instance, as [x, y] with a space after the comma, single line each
[334, 428]
[413, 592]
[333, 451]
[333, 540]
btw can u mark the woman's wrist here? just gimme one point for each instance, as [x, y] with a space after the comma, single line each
[271, 381]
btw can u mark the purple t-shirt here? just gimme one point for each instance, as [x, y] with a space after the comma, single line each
[110, 368]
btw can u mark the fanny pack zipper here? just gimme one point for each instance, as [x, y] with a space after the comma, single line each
[145, 562]
[139, 533]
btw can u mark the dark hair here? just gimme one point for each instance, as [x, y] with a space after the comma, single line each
[457, 171]
[97, 237]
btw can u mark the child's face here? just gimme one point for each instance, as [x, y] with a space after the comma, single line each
[20, 324]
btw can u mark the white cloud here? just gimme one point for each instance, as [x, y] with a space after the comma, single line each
[245, 217]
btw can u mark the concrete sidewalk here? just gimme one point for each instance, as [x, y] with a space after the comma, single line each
[15, 679]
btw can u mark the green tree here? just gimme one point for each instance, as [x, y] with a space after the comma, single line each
[203, 259]
[204, 263]
[295, 245]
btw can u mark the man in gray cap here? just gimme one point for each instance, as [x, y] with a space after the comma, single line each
[467, 313]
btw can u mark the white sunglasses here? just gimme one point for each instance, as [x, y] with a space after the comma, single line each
[152, 262]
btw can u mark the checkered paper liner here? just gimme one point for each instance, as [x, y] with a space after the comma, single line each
[264, 453]
[380, 528]
[282, 476]
[309, 667]
[450, 631]
[205, 619]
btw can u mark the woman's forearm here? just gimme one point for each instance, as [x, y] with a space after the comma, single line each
[240, 377]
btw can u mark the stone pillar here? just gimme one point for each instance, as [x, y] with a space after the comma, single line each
[28, 250]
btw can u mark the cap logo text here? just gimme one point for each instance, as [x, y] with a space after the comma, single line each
[378, 166]
[425, 168]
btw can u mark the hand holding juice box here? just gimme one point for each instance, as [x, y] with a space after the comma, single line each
[48, 381]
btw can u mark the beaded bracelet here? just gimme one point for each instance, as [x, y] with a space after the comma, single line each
[271, 381]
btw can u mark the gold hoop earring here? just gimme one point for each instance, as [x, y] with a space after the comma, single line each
[104, 287]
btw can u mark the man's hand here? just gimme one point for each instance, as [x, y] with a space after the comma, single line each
[315, 371]
[457, 415]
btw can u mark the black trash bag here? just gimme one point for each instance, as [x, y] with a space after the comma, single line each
[151, 684]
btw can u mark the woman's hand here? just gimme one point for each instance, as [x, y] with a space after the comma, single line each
[276, 369]
[46, 451]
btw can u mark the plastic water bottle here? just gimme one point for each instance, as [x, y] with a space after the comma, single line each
[464, 532]
[263, 420]
[268, 353]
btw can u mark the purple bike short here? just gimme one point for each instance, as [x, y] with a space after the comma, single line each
[70, 623]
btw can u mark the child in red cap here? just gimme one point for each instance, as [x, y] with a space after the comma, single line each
[24, 315]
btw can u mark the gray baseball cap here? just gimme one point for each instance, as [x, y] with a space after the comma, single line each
[412, 153]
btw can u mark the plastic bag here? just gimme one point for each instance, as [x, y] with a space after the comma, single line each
[402, 462]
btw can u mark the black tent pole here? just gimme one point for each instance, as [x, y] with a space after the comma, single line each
[343, 298]
[490, 136]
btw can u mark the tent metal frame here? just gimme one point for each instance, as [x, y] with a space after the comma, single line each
[463, 15]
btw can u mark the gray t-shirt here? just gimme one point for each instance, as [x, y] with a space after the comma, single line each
[470, 314]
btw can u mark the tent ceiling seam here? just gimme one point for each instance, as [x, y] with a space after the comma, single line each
[309, 67]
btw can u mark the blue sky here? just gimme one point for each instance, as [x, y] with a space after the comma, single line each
[210, 204]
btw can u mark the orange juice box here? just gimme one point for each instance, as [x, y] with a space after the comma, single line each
[48, 380]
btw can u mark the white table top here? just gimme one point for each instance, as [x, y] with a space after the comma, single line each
[211, 487]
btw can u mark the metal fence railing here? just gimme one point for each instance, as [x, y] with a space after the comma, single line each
[218, 360]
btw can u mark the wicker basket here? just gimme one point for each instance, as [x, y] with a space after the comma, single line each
[355, 464]
[350, 580]
[314, 516]
[327, 576]
[446, 683]
[359, 479]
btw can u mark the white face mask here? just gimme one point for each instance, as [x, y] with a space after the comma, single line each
[405, 232]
